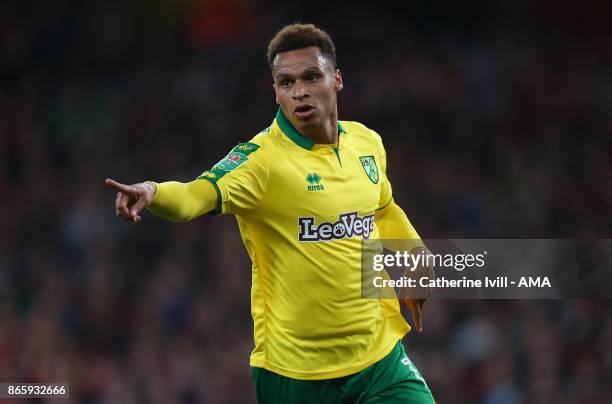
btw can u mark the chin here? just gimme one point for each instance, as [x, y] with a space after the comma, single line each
[309, 124]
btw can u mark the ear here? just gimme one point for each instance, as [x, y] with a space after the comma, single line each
[275, 94]
[339, 85]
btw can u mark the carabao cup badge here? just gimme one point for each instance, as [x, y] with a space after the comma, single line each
[231, 161]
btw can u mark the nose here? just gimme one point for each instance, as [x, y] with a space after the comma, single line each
[300, 90]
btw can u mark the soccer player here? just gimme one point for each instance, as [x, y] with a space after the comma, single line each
[305, 192]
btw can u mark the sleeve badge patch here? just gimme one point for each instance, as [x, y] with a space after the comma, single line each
[236, 157]
[231, 161]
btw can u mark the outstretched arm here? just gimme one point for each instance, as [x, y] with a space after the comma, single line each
[175, 201]
[393, 224]
[179, 202]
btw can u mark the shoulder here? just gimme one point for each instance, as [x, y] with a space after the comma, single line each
[245, 156]
[260, 144]
[361, 132]
[253, 148]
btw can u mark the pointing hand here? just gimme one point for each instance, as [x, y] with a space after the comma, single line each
[132, 199]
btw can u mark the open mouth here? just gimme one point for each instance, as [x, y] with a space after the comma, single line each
[304, 111]
[303, 108]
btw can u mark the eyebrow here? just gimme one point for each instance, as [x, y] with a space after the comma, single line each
[313, 69]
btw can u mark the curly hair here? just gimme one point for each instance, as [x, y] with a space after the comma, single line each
[299, 36]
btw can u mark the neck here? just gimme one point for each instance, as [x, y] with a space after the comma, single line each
[327, 133]
[324, 134]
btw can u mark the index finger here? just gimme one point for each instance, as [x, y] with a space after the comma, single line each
[415, 310]
[416, 317]
[118, 186]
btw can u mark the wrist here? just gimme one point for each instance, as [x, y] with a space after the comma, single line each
[152, 187]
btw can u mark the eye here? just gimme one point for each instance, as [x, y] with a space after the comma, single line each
[312, 77]
[284, 83]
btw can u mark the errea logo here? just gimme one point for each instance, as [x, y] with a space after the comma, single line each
[348, 225]
[314, 182]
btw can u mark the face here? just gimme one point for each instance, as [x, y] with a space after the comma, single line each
[306, 85]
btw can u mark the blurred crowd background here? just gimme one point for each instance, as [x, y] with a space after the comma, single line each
[497, 119]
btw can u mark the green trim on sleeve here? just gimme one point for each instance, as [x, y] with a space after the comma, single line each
[386, 204]
[218, 210]
[234, 159]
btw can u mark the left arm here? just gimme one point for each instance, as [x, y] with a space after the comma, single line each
[393, 224]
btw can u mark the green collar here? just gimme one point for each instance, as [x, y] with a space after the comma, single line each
[299, 139]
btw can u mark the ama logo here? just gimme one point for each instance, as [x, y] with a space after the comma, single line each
[348, 225]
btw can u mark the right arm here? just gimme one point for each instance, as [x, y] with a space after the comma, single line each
[175, 201]
[179, 201]
[234, 185]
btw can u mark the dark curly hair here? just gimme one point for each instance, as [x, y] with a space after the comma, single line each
[299, 36]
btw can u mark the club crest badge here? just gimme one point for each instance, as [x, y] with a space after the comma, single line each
[370, 167]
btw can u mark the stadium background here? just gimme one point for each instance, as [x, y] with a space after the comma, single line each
[496, 118]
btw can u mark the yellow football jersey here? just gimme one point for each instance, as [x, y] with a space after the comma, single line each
[303, 209]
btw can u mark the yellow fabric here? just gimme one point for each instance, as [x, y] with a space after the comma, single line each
[310, 321]
[393, 224]
[178, 201]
